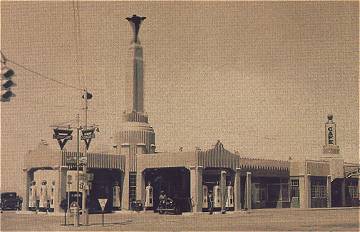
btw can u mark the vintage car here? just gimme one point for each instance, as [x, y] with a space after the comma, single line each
[10, 201]
[169, 206]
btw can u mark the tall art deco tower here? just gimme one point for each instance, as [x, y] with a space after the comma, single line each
[136, 136]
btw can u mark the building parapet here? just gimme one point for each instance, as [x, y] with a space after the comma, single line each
[96, 160]
[310, 167]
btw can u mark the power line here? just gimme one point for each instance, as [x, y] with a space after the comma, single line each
[43, 76]
[77, 37]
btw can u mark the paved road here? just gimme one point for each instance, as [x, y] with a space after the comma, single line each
[340, 219]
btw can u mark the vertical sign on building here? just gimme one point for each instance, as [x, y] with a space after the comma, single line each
[330, 131]
[330, 137]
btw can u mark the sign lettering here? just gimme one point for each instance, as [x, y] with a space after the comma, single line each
[87, 135]
[71, 160]
[62, 136]
[330, 135]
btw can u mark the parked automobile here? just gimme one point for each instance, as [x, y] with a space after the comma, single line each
[10, 201]
[137, 206]
[169, 206]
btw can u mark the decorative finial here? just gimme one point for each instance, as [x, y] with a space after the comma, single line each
[135, 22]
[330, 117]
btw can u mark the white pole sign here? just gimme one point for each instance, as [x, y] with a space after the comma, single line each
[102, 202]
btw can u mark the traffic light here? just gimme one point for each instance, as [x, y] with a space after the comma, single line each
[6, 84]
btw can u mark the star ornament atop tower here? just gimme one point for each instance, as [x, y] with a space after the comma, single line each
[135, 22]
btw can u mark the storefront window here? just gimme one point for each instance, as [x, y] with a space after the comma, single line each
[318, 189]
[353, 191]
[284, 192]
[274, 192]
[294, 188]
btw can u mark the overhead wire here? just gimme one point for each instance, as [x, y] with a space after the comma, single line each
[78, 61]
[79, 49]
[77, 38]
[43, 76]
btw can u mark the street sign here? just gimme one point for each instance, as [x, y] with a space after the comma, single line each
[62, 136]
[87, 135]
[102, 202]
[83, 160]
[69, 179]
[90, 176]
[70, 160]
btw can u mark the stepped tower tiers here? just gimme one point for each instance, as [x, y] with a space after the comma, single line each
[136, 136]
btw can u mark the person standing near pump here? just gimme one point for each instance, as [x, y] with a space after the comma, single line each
[162, 198]
[211, 202]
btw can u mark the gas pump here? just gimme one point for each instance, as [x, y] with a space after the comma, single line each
[230, 197]
[217, 195]
[116, 197]
[43, 204]
[52, 195]
[32, 196]
[149, 196]
[205, 197]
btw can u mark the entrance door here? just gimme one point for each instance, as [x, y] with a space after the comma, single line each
[318, 192]
[336, 193]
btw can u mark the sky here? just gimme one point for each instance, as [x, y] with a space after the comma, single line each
[259, 76]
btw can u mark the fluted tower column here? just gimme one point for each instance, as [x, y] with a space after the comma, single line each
[134, 88]
[135, 136]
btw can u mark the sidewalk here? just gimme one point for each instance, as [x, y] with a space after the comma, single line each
[186, 214]
[303, 209]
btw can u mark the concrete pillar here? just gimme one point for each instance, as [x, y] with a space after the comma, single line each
[237, 190]
[27, 178]
[305, 191]
[248, 190]
[280, 199]
[223, 189]
[125, 204]
[307, 194]
[196, 187]
[328, 188]
[125, 191]
[343, 196]
[140, 186]
[60, 189]
[302, 192]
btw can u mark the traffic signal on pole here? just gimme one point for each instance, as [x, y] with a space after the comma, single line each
[88, 95]
[6, 84]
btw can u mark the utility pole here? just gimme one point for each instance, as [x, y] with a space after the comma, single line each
[63, 135]
[77, 170]
[85, 178]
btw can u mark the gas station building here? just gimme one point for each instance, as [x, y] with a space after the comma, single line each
[238, 182]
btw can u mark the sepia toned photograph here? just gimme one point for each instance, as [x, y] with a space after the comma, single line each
[179, 116]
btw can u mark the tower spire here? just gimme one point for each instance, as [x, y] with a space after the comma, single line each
[135, 22]
[134, 85]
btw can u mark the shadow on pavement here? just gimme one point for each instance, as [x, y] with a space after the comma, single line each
[111, 223]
